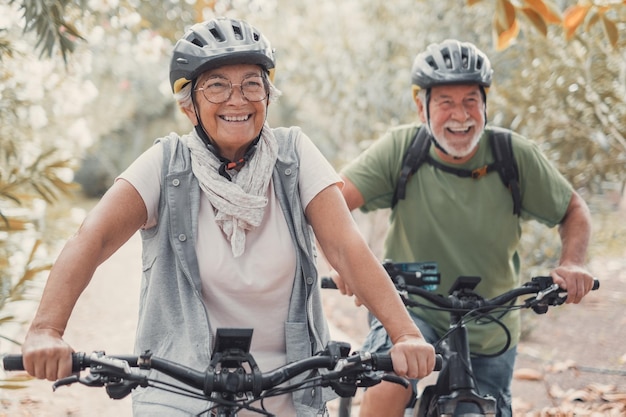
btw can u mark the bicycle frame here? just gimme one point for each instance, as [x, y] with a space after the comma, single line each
[455, 383]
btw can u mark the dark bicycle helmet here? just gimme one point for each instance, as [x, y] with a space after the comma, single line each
[451, 62]
[218, 42]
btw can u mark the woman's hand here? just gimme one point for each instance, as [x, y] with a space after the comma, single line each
[46, 355]
[412, 357]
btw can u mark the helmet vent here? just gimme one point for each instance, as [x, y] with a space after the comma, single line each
[464, 58]
[447, 59]
[431, 62]
[238, 33]
[217, 35]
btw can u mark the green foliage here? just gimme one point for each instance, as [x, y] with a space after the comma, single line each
[52, 21]
[25, 172]
[36, 160]
[571, 98]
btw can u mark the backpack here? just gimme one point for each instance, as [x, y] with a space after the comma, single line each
[505, 164]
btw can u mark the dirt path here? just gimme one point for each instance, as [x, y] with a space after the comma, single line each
[569, 350]
[104, 318]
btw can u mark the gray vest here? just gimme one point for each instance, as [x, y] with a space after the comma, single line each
[173, 322]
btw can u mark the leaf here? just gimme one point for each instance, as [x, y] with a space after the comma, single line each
[505, 35]
[505, 12]
[611, 30]
[473, 2]
[591, 21]
[19, 377]
[547, 10]
[528, 374]
[562, 366]
[12, 386]
[537, 20]
[573, 18]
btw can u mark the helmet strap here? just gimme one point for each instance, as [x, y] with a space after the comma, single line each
[199, 128]
[430, 130]
[226, 163]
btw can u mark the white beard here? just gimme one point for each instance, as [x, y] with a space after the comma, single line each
[459, 152]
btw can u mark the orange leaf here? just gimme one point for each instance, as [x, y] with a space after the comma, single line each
[536, 19]
[505, 12]
[528, 374]
[573, 18]
[548, 11]
[506, 35]
[611, 30]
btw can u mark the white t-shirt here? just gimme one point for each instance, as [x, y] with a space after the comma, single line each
[251, 291]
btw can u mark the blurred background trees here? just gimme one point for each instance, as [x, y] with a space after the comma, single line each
[84, 85]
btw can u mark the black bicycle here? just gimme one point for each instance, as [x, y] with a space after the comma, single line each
[455, 384]
[232, 381]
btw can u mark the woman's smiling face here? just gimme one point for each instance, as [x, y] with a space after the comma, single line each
[235, 123]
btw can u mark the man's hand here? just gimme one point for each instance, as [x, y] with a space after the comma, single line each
[575, 279]
[413, 357]
[344, 288]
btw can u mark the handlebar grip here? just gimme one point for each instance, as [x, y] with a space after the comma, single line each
[382, 362]
[15, 362]
[327, 282]
[438, 362]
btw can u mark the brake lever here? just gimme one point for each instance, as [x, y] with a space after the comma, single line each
[543, 293]
[65, 381]
[90, 380]
[551, 296]
[396, 380]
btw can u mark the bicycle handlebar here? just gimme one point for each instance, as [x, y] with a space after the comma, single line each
[463, 299]
[358, 366]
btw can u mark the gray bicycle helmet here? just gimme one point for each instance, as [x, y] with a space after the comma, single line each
[451, 62]
[218, 42]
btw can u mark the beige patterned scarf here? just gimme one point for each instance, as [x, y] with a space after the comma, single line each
[239, 204]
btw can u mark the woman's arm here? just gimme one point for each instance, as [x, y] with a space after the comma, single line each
[116, 217]
[348, 253]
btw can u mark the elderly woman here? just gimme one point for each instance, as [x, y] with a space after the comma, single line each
[225, 214]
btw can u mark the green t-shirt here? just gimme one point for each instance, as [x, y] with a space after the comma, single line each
[467, 226]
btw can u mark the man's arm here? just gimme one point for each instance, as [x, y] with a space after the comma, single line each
[575, 232]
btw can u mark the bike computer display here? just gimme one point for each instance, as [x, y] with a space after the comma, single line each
[419, 274]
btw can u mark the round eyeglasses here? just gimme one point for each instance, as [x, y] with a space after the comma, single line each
[218, 90]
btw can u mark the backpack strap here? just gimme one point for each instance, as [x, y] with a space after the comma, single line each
[505, 164]
[418, 153]
[460, 172]
[413, 159]
[502, 148]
